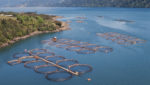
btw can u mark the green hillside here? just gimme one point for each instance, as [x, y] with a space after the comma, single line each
[14, 25]
[77, 3]
[90, 3]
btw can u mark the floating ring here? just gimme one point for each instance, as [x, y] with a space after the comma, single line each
[104, 49]
[54, 58]
[14, 62]
[80, 68]
[58, 76]
[40, 62]
[73, 48]
[37, 51]
[85, 51]
[46, 54]
[47, 68]
[70, 62]
[18, 55]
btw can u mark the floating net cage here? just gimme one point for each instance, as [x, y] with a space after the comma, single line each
[81, 17]
[77, 46]
[121, 38]
[46, 54]
[33, 64]
[80, 21]
[55, 68]
[58, 76]
[66, 62]
[37, 51]
[55, 58]
[80, 68]
[26, 59]
[18, 55]
[14, 62]
[44, 69]
[85, 51]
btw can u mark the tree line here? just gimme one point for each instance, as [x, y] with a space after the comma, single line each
[90, 3]
[20, 24]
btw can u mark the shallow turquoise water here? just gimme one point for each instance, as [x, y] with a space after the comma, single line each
[126, 65]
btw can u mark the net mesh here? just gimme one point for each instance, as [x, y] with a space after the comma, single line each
[80, 68]
[63, 46]
[44, 69]
[122, 39]
[104, 49]
[64, 40]
[79, 47]
[55, 58]
[66, 62]
[18, 55]
[73, 48]
[90, 46]
[37, 51]
[46, 54]
[27, 59]
[80, 43]
[59, 76]
[53, 43]
[85, 51]
[56, 68]
[73, 42]
[33, 64]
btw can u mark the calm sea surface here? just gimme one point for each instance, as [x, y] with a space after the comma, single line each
[126, 65]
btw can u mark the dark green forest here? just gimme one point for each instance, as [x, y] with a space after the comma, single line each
[14, 25]
[109, 3]
[90, 3]
[76, 3]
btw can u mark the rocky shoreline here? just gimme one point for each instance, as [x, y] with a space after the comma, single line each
[65, 26]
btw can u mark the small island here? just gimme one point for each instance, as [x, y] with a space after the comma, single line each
[16, 26]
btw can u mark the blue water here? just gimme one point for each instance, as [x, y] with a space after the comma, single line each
[126, 65]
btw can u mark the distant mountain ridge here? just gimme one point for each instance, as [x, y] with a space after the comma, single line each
[76, 3]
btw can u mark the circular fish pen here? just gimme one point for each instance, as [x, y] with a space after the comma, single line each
[66, 62]
[55, 58]
[80, 68]
[55, 68]
[33, 64]
[121, 39]
[90, 46]
[37, 51]
[65, 46]
[45, 69]
[46, 54]
[104, 49]
[26, 59]
[22, 54]
[79, 47]
[14, 62]
[73, 48]
[85, 51]
[58, 76]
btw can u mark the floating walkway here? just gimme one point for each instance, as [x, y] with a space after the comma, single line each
[56, 68]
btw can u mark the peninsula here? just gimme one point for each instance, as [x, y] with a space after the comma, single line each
[16, 26]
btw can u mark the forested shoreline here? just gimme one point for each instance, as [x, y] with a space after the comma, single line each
[77, 3]
[13, 25]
